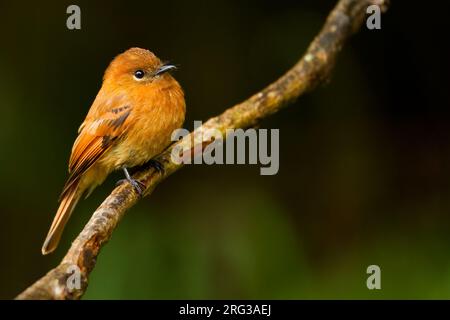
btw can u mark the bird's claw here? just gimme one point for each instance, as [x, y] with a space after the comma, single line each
[157, 165]
[138, 186]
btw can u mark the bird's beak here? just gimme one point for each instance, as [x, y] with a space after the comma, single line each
[165, 68]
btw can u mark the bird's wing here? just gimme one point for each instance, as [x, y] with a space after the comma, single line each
[96, 136]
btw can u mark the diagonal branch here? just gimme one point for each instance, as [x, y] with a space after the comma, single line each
[345, 19]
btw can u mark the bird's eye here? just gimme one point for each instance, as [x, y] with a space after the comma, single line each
[139, 74]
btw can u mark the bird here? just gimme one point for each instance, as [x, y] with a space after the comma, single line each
[131, 121]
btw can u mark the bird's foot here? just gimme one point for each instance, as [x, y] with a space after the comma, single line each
[157, 165]
[138, 186]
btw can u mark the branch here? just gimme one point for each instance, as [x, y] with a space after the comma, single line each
[345, 19]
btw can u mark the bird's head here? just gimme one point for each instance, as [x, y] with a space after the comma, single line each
[138, 66]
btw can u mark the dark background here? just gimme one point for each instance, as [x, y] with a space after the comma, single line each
[364, 160]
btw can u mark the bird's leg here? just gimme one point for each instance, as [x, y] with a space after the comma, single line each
[138, 186]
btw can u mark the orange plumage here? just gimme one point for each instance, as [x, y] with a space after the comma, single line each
[131, 120]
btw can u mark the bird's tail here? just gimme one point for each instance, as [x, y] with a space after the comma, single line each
[68, 202]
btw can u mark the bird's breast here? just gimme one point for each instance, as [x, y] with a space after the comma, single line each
[151, 124]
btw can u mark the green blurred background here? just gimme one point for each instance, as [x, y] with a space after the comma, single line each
[364, 160]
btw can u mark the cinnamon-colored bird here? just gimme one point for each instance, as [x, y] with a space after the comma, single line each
[131, 120]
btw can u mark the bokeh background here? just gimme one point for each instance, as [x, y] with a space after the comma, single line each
[364, 160]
